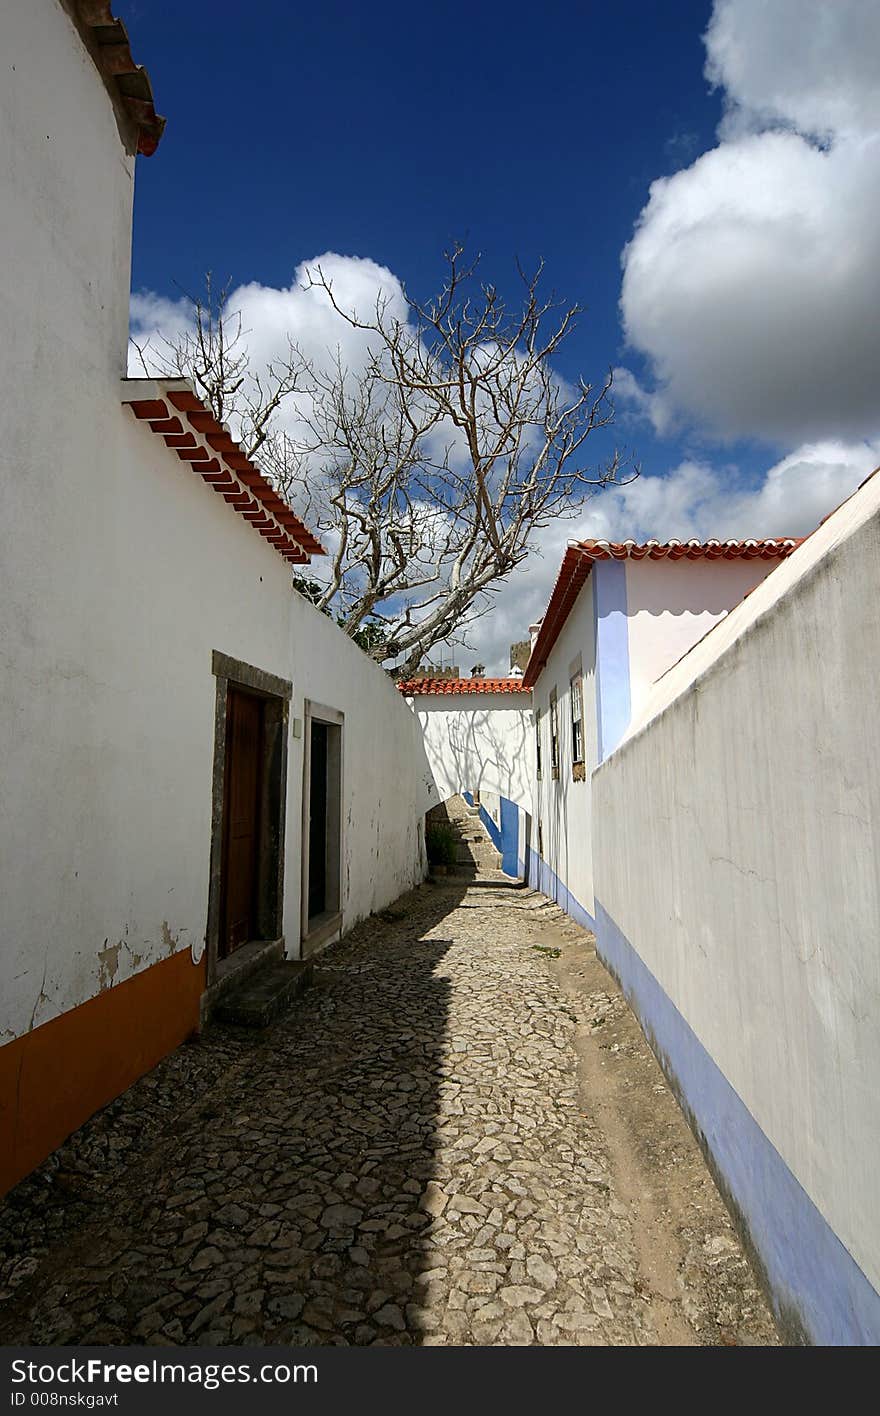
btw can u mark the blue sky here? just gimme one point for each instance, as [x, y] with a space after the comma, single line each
[389, 131]
[385, 132]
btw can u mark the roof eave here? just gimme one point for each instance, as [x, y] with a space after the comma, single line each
[128, 83]
[175, 412]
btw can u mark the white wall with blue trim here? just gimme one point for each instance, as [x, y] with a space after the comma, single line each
[560, 856]
[738, 900]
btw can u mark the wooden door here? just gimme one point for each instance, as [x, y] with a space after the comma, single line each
[241, 820]
[318, 821]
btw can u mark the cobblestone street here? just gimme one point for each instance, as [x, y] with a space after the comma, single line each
[410, 1155]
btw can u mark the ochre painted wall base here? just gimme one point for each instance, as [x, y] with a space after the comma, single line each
[54, 1078]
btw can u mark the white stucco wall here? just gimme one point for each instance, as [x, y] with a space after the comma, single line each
[672, 604]
[120, 572]
[478, 742]
[65, 238]
[491, 804]
[563, 806]
[739, 858]
[107, 723]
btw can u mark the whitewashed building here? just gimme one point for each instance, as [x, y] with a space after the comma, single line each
[200, 772]
[704, 794]
[198, 768]
[620, 615]
[737, 898]
[478, 741]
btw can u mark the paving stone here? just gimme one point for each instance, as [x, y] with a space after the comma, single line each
[517, 1331]
[402, 1157]
[434, 1200]
[518, 1295]
[464, 1204]
[389, 1315]
[289, 1306]
[541, 1272]
[341, 1217]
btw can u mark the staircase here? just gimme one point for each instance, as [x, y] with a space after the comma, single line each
[475, 854]
[256, 998]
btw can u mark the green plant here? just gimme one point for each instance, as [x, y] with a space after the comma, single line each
[440, 844]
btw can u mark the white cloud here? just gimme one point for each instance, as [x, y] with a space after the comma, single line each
[271, 318]
[752, 282]
[698, 500]
[808, 63]
[695, 498]
[152, 318]
[630, 396]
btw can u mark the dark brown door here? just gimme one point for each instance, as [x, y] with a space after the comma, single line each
[318, 821]
[241, 820]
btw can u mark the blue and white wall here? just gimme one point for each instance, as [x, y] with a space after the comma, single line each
[648, 613]
[508, 826]
[737, 898]
[561, 859]
[630, 623]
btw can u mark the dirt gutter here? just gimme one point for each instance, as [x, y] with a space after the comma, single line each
[697, 1279]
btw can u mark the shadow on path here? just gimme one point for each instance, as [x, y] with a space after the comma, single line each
[280, 1186]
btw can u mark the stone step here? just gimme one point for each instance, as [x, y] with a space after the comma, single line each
[473, 848]
[263, 996]
[483, 854]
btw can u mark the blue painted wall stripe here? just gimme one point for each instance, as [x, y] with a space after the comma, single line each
[613, 704]
[506, 837]
[490, 826]
[816, 1285]
[541, 877]
[509, 837]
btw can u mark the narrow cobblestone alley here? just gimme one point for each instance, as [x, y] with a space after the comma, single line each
[415, 1153]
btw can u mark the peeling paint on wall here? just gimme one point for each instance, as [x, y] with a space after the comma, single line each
[108, 959]
[41, 998]
[168, 939]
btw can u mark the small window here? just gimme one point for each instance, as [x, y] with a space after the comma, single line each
[538, 746]
[577, 719]
[554, 736]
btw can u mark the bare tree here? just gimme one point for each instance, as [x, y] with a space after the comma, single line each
[432, 465]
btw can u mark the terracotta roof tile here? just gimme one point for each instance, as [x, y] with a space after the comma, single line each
[107, 41]
[168, 405]
[410, 688]
[581, 556]
[767, 548]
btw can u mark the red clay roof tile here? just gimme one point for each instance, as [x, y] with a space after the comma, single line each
[241, 483]
[410, 688]
[106, 39]
[580, 557]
